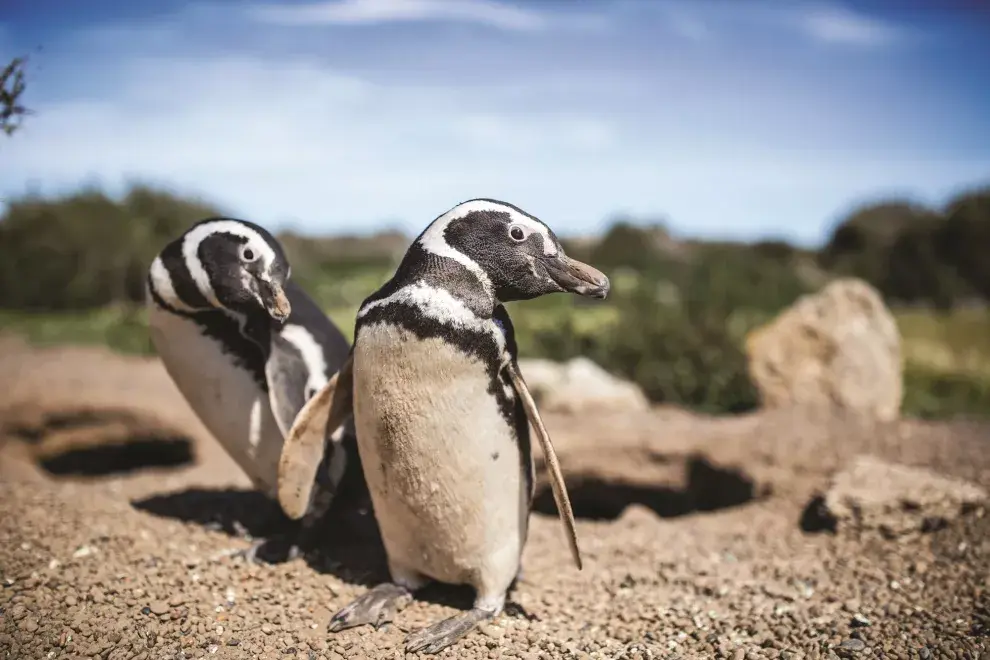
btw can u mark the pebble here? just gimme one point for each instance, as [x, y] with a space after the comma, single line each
[850, 646]
[860, 621]
[492, 631]
[159, 607]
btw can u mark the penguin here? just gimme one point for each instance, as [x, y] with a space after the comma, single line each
[442, 414]
[247, 348]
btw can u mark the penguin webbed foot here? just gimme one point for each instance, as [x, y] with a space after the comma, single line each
[376, 606]
[444, 633]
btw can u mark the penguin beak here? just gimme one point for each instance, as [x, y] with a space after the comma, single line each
[274, 299]
[577, 277]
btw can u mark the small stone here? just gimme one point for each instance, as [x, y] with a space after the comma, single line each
[266, 628]
[29, 625]
[492, 631]
[739, 654]
[233, 641]
[159, 607]
[850, 646]
[860, 621]
[176, 600]
[71, 601]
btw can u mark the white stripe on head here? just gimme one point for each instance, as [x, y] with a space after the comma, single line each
[196, 235]
[161, 283]
[439, 305]
[312, 355]
[434, 241]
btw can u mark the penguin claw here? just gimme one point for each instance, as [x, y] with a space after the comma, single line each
[439, 636]
[377, 607]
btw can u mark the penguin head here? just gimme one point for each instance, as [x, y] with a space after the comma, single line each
[517, 253]
[238, 266]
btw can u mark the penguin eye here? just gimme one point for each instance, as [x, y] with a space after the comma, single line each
[248, 255]
[517, 233]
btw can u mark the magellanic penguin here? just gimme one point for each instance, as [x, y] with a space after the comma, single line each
[441, 413]
[247, 348]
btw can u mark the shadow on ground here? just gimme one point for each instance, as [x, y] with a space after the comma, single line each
[347, 543]
[99, 443]
[708, 487]
[129, 456]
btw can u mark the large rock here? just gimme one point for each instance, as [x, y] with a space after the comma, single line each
[895, 500]
[579, 385]
[838, 348]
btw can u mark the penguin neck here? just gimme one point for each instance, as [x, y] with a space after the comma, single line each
[449, 275]
[464, 286]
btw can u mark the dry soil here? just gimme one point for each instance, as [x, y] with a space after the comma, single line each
[119, 514]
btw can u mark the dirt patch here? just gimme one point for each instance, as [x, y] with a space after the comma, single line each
[115, 542]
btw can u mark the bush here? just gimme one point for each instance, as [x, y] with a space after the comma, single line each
[916, 255]
[85, 250]
[675, 322]
[680, 340]
[964, 239]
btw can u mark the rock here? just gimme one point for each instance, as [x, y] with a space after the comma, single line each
[579, 385]
[838, 348]
[895, 499]
[159, 607]
[860, 621]
[850, 647]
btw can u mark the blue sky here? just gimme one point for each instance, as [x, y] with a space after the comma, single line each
[729, 119]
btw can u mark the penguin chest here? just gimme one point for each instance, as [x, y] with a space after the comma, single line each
[442, 463]
[222, 393]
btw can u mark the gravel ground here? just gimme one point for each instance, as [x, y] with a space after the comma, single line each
[119, 516]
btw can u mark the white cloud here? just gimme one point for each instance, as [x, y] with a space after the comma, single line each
[834, 24]
[822, 22]
[283, 140]
[352, 12]
[275, 139]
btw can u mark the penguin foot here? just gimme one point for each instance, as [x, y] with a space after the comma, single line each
[441, 635]
[377, 606]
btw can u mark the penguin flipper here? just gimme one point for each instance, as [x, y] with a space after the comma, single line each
[553, 465]
[287, 375]
[305, 442]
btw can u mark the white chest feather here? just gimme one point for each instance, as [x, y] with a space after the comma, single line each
[222, 394]
[442, 464]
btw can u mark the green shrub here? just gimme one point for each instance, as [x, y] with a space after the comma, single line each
[964, 239]
[85, 250]
[72, 270]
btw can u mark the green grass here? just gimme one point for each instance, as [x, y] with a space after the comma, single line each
[946, 355]
[123, 329]
[952, 342]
